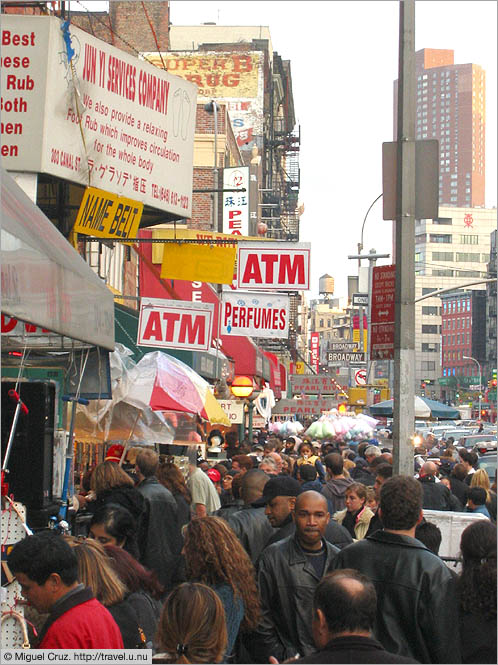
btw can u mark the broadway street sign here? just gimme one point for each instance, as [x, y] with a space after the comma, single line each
[345, 358]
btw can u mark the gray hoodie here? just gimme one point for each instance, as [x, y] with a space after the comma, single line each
[334, 490]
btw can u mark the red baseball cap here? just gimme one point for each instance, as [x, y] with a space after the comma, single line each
[114, 453]
[214, 474]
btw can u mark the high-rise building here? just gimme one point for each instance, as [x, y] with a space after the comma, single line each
[450, 107]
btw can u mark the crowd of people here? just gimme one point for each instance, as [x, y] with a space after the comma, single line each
[285, 551]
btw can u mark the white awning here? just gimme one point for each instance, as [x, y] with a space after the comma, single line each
[44, 280]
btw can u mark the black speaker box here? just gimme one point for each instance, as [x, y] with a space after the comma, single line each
[30, 462]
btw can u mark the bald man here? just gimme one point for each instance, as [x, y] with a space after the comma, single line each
[436, 495]
[288, 574]
[250, 524]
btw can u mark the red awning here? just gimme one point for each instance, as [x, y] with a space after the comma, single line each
[275, 374]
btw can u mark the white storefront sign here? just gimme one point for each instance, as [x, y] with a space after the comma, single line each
[108, 120]
[235, 204]
[279, 266]
[175, 324]
[255, 315]
[234, 410]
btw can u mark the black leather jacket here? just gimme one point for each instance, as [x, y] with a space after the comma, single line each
[417, 613]
[163, 539]
[436, 495]
[287, 582]
[252, 528]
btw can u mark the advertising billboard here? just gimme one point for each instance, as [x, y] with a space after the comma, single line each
[80, 109]
[255, 315]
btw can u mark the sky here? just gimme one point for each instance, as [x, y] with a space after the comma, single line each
[344, 59]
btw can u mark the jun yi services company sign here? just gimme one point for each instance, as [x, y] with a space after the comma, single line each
[276, 266]
[107, 120]
[175, 324]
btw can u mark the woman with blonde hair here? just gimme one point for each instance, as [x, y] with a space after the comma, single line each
[480, 478]
[192, 626]
[95, 570]
[214, 556]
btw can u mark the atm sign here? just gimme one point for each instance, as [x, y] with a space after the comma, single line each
[278, 266]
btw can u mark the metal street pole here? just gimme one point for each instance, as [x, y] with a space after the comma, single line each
[404, 335]
[480, 379]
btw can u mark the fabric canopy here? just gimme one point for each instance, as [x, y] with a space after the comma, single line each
[424, 408]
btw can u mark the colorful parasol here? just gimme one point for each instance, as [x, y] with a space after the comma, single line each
[164, 383]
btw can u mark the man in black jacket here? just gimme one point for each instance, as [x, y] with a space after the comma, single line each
[417, 613]
[163, 542]
[344, 609]
[436, 496]
[288, 574]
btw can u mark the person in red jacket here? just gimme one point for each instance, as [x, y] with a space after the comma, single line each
[47, 570]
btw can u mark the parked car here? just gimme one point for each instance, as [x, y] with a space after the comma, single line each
[473, 440]
[488, 463]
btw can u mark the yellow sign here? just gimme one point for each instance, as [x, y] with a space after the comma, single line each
[216, 74]
[198, 263]
[357, 396]
[105, 215]
[299, 367]
[356, 337]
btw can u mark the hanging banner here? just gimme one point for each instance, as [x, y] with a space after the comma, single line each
[104, 215]
[255, 315]
[276, 266]
[200, 263]
[315, 351]
[235, 204]
[175, 324]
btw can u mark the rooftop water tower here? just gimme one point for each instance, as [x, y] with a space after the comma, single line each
[326, 286]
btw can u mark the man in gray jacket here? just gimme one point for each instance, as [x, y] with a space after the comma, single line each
[337, 483]
[288, 574]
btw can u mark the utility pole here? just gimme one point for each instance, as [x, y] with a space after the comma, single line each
[404, 334]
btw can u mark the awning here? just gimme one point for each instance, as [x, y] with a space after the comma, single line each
[45, 282]
[203, 362]
[275, 376]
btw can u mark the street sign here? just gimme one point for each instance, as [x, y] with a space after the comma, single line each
[360, 299]
[360, 377]
[382, 313]
[313, 384]
[343, 346]
[345, 358]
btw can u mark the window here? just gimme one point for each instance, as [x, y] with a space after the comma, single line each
[466, 257]
[428, 366]
[442, 256]
[442, 273]
[430, 348]
[469, 239]
[430, 330]
[328, 323]
[321, 323]
[431, 311]
[426, 290]
[440, 237]
[448, 221]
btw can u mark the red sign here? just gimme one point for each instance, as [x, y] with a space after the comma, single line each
[278, 266]
[174, 324]
[315, 351]
[313, 384]
[382, 314]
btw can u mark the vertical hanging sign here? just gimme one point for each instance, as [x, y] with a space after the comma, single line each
[315, 351]
[236, 204]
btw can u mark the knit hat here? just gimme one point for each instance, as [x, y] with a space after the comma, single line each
[114, 453]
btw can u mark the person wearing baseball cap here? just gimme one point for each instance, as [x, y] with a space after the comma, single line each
[279, 499]
[114, 453]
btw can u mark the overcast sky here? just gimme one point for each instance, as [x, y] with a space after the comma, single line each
[344, 59]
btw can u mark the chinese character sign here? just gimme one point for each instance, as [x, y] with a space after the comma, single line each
[236, 204]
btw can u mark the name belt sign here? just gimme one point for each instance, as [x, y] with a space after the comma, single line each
[313, 384]
[276, 266]
[255, 315]
[345, 358]
[175, 324]
[103, 214]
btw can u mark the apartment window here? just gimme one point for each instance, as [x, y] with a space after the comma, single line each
[328, 323]
[442, 273]
[440, 237]
[428, 366]
[430, 348]
[321, 323]
[430, 311]
[466, 257]
[484, 258]
[426, 290]
[430, 330]
[442, 256]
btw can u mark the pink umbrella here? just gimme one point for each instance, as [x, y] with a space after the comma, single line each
[164, 383]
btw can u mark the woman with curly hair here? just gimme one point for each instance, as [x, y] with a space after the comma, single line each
[214, 556]
[172, 478]
[192, 626]
[477, 593]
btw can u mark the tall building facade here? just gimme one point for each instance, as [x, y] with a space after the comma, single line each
[451, 102]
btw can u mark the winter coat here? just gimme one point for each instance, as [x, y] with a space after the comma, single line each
[335, 534]
[234, 613]
[417, 614]
[436, 495]
[362, 523]
[163, 541]
[313, 460]
[354, 649]
[125, 615]
[334, 491]
[287, 582]
[314, 485]
[80, 622]
[460, 489]
[252, 528]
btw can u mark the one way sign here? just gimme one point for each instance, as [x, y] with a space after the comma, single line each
[337, 357]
